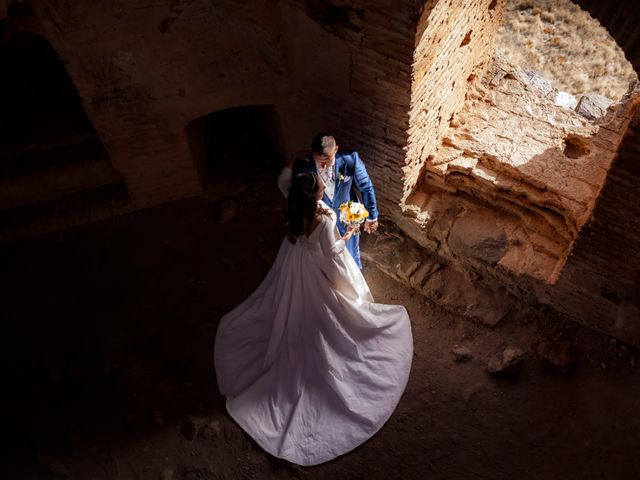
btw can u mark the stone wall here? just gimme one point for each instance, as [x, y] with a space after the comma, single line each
[536, 197]
[364, 70]
[146, 70]
[516, 176]
[388, 77]
[366, 102]
[600, 284]
[454, 41]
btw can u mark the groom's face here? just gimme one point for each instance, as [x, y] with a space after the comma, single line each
[325, 161]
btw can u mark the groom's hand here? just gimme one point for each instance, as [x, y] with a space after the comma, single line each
[371, 227]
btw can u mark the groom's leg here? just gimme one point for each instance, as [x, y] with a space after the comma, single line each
[353, 246]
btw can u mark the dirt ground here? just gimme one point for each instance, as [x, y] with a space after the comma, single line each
[108, 366]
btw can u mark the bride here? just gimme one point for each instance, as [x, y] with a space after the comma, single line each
[310, 366]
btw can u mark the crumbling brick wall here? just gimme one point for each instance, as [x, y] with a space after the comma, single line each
[454, 42]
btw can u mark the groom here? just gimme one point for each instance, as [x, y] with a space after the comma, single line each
[345, 176]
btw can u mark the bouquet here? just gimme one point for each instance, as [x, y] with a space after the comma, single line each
[353, 213]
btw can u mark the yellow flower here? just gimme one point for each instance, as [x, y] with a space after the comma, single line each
[353, 213]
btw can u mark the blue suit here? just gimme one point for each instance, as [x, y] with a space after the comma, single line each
[350, 177]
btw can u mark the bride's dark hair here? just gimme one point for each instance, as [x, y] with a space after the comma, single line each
[302, 205]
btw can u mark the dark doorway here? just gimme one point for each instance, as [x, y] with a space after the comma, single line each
[235, 147]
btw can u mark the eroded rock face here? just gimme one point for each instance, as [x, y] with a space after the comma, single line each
[475, 234]
[454, 41]
[522, 171]
[443, 283]
[593, 106]
[539, 197]
[600, 283]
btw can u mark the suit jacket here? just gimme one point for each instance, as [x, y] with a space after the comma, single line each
[350, 177]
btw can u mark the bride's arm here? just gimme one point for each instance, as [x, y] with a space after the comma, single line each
[330, 242]
[284, 180]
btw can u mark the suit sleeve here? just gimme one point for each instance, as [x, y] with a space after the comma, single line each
[363, 183]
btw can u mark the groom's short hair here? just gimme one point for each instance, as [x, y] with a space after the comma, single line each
[323, 143]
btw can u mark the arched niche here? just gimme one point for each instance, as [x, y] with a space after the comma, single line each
[233, 145]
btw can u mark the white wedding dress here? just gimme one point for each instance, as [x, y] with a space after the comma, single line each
[310, 366]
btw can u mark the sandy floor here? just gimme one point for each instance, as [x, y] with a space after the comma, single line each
[107, 367]
[565, 44]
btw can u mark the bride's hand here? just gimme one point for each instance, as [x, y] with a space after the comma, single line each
[350, 231]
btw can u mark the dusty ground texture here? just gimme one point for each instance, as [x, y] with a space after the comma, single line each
[108, 366]
[564, 43]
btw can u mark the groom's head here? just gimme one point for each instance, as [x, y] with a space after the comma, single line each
[324, 149]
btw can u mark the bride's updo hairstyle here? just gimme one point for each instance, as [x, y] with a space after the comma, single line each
[301, 202]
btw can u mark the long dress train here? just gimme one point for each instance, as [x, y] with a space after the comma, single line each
[310, 365]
